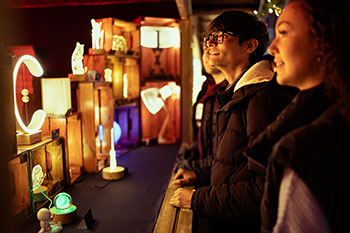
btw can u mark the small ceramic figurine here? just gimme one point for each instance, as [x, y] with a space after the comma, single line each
[45, 217]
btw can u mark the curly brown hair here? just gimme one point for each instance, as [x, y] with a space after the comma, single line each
[330, 25]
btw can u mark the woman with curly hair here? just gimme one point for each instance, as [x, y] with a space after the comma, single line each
[307, 146]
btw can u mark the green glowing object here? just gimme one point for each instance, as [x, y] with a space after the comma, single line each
[70, 209]
[62, 201]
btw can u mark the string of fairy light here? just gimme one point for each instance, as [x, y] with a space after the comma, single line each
[269, 7]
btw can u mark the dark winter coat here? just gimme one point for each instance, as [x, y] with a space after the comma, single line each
[190, 159]
[232, 199]
[311, 137]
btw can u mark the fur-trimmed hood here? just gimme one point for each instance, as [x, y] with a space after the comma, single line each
[260, 72]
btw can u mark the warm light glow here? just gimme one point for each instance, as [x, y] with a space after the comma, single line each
[198, 78]
[108, 75]
[165, 92]
[37, 176]
[159, 37]
[112, 154]
[154, 98]
[38, 117]
[125, 86]
[151, 99]
[77, 59]
[56, 96]
[175, 89]
[97, 34]
[176, 38]
[255, 12]
[119, 43]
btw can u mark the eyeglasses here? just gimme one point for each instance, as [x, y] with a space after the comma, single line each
[218, 37]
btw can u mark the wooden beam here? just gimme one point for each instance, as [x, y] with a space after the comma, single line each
[184, 7]
[186, 80]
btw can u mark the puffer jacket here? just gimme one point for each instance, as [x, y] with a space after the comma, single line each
[232, 199]
[189, 159]
[311, 137]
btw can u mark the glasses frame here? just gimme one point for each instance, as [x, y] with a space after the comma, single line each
[215, 37]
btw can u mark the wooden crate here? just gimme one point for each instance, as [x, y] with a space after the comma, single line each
[20, 199]
[96, 106]
[49, 154]
[70, 128]
[128, 117]
[130, 31]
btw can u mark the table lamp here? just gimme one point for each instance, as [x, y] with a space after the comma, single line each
[113, 172]
[38, 189]
[154, 100]
[56, 96]
[64, 211]
[158, 38]
[28, 134]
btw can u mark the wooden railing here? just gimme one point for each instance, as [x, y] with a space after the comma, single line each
[171, 219]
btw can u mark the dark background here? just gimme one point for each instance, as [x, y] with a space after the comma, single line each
[54, 31]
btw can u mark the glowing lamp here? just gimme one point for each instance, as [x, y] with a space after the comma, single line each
[154, 100]
[100, 132]
[97, 34]
[125, 86]
[64, 211]
[159, 38]
[63, 201]
[113, 172]
[117, 132]
[31, 133]
[108, 75]
[39, 191]
[56, 96]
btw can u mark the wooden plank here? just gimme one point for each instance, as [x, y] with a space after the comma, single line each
[186, 80]
[167, 215]
[184, 7]
[184, 218]
[86, 91]
[171, 219]
[184, 221]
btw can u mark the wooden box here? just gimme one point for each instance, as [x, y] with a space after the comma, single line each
[70, 128]
[21, 206]
[128, 117]
[125, 76]
[130, 31]
[49, 155]
[95, 102]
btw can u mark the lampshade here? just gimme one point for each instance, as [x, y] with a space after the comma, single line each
[56, 96]
[152, 100]
[159, 37]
